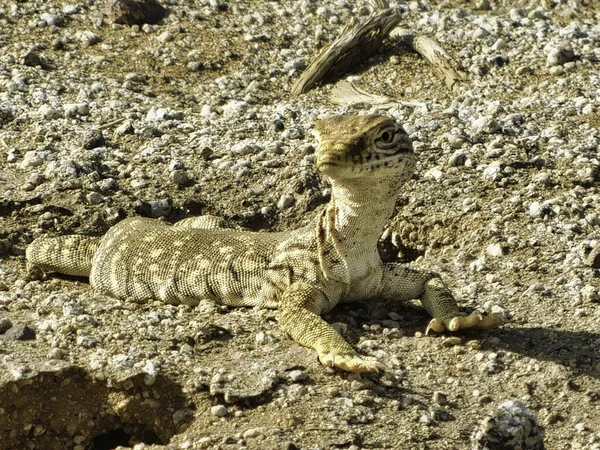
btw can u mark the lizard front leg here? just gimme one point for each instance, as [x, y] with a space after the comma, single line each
[403, 283]
[299, 316]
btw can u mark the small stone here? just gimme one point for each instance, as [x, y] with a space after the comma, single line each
[440, 398]
[159, 114]
[165, 37]
[47, 112]
[593, 259]
[69, 10]
[492, 172]
[73, 309]
[425, 419]
[254, 432]
[451, 341]
[32, 59]
[76, 109]
[235, 108]
[195, 66]
[589, 294]
[266, 211]
[512, 426]
[484, 124]
[559, 55]
[285, 201]
[179, 177]
[88, 38]
[219, 410]
[131, 12]
[206, 153]
[52, 20]
[246, 147]
[495, 250]
[206, 111]
[92, 139]
[125, 128]
[160, 208]
[297, 376]
[20, 332]
[458, 158]
[94, 198]
[536, 209]
[556, 71]
[434, 174]
[86, 341]
[5, 324]
[57, 353]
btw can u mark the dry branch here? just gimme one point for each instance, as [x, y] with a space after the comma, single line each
[351, 49]
[356, 45]
[442, 63]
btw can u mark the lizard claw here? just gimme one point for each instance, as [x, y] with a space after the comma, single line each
[436, 325]
[351, 363]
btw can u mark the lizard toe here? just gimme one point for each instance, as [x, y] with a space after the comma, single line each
[476, 320]
[351, 363]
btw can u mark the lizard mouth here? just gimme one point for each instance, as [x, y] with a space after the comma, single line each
[326, 161]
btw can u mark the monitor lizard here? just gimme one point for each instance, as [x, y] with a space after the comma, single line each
[303, 273]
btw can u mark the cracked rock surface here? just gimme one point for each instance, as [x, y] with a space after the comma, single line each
[188, 112]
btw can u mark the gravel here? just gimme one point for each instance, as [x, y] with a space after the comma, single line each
[174, 115]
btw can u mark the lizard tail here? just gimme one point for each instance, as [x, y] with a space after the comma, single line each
[69, 255]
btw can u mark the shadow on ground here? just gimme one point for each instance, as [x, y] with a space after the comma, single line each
[579, 350]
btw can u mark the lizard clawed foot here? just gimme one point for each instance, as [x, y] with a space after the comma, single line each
[473, 320]
[351, 363]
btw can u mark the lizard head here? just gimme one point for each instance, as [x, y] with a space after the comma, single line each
[364, 147]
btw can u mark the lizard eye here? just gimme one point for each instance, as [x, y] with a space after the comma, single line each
[387, 139]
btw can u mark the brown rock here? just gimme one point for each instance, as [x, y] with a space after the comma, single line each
[20, 332]
[135, 12]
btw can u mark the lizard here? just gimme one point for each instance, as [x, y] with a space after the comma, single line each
[303, 273]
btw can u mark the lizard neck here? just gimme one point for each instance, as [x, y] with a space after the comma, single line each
[358, 212]
[351, 225]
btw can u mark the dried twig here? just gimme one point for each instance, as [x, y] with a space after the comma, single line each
[352, 48]
[357, 44]
[442, 63]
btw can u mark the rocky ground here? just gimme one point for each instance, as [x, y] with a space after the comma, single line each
[192, 115]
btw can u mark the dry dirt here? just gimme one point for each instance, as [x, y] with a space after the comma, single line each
[101, 372]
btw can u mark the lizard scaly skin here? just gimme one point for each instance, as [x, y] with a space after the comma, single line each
[303, 273]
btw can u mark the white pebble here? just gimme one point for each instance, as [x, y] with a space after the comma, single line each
[285, 201]
[165, 37]
[47, 112]
[495, 249]
[535, 209]
[50, 19]
[206, 111]
[76, 109]
[88, 37]
[219, 411]
[69, 10]
[32, 159]
[434, 174]
[235, 108]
